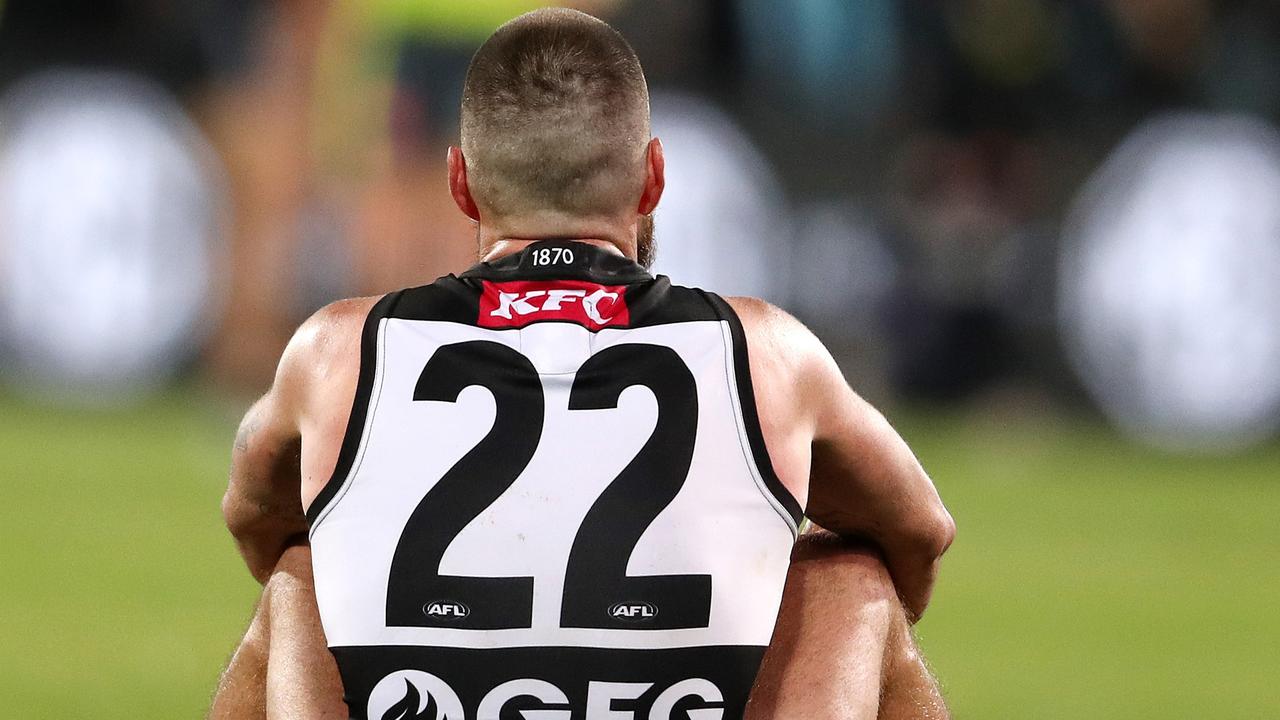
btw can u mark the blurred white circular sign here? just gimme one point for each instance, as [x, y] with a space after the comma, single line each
[1170, 291]
[108, 217]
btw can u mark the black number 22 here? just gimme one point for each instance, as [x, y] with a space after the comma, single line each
[596, 578]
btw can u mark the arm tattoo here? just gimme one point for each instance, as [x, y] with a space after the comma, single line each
[248, 429]
[279, 510]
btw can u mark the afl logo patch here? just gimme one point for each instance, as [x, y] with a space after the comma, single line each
[445, 610]
[633, 611]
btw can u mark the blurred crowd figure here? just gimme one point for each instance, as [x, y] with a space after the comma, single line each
[898, 173]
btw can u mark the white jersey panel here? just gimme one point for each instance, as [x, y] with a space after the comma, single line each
[723, 522]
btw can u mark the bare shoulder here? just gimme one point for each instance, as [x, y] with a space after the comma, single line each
[334, 321]
[324, 347]
[791, 374]
[755, 310]
[785, 352]
[329, 331]
[778, 339]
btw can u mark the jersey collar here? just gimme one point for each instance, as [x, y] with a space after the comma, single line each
[562, 260]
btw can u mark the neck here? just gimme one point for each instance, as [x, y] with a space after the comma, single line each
[507, 236]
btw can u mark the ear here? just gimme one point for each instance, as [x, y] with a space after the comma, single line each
[655, 177]
[458, 184]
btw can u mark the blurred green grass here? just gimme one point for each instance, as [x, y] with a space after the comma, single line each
[1091, 578]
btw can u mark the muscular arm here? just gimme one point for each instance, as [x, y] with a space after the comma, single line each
[263, 505]
[863, 482]
[866, 482]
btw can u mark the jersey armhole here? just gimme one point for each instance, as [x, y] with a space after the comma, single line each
[353, 437]
[750, 414]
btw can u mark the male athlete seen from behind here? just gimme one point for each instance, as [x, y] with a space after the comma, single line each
[566, 489]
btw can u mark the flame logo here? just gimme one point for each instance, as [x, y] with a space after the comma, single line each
[407, 708]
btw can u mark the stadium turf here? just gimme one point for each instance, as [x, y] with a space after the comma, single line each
[1091, 579]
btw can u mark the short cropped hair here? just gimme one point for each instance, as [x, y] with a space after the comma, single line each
[555, 116]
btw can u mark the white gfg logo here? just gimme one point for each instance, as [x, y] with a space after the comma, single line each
[417, 695]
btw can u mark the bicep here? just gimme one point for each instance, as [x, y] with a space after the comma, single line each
[264, 461]
[265, 467]
[265, 478]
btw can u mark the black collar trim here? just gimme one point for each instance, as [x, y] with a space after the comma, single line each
[562, 260]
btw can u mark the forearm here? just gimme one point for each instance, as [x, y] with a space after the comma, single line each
[913, 569]
[885, 499]
[914, 554]
[913, 578]
[911, 546]
[827, 651]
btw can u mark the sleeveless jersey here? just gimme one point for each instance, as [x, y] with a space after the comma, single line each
[553, 501]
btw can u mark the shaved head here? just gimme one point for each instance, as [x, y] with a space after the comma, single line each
[555, 117]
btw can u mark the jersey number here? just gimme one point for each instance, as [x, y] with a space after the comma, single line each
[596, 579]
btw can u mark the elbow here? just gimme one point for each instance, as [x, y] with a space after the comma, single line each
[934, 534]
[228, 511]
[945, 531]
[234, 515]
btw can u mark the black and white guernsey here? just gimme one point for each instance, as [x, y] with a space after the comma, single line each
[553, 501]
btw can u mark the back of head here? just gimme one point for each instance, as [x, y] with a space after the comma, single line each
[555, 118]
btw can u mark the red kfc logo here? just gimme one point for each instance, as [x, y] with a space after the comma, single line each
[516, 304]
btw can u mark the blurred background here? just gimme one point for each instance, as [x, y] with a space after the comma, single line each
[1042, 235]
